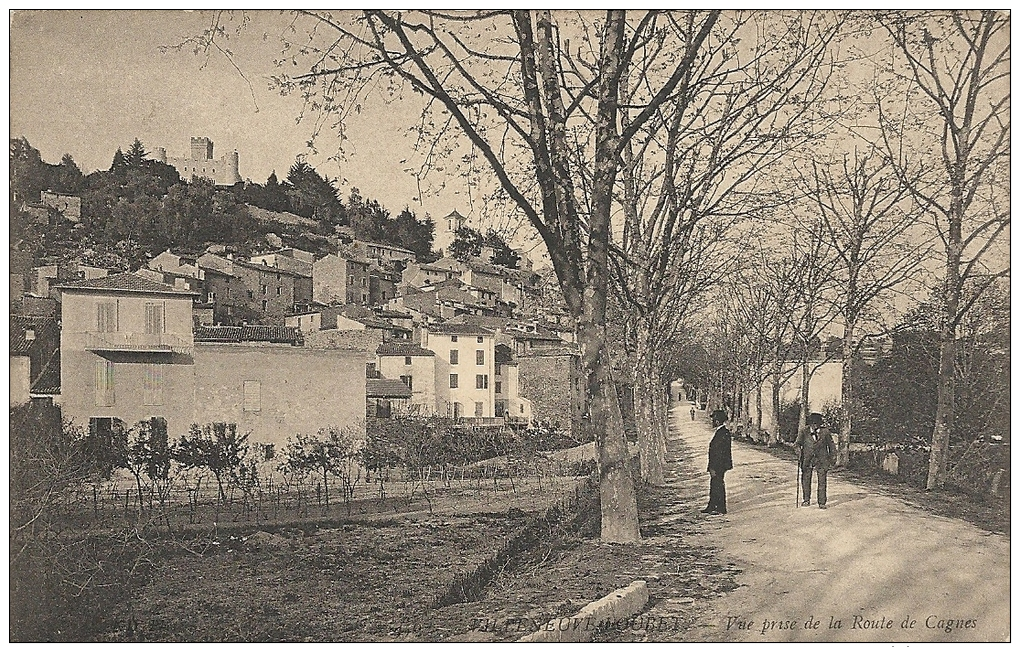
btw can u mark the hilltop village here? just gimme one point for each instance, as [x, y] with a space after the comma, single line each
[314, 324]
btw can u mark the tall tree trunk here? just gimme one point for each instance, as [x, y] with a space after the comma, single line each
[757, 408]
[650, 446]
[945, 411]
[845, 429]
[616, 485]
[776, 385]
[805, 392]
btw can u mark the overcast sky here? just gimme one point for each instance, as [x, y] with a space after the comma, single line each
[86, 82]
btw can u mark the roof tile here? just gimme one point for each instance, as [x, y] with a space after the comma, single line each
[384, 388]
[125, 282]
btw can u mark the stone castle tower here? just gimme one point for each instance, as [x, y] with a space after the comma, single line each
[224, 171]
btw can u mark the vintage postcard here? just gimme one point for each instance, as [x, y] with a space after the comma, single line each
[509, 325]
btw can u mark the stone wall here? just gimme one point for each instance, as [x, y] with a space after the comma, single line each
[275, 393]
[552, 383]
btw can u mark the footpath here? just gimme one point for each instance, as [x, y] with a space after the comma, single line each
[870, 568]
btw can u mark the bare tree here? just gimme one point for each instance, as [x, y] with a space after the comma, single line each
[501, 80]
[870, 223]
[694, 172]
[957, 107]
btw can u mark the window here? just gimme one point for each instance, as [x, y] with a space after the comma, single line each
[480, 339]
[152, 385]
[154, 321]
[265, 306]
[104, 383]
[480, 358]
[499, 369]
[228, 293]
[454, 356]
[382, 408]
[279, 290]
[252, 395]
[453, 380]
[212, 297]
[268, 451]
[251, 295]
[407, 379]
[453, 338]
[407, 360]
[479, 409]
[106, 316]
[499, 387]
[481, 381]
[265, 289]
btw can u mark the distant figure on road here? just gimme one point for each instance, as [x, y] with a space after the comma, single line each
[817, 451]
[692, 412]
[720, 459]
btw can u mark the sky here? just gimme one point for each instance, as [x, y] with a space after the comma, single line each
[88, 82]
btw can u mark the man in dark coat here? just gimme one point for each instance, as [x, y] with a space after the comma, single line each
[720, 459]
[817, 452]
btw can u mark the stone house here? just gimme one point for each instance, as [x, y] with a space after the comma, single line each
[465, 363]
[340, 278]
[129, 352]
[34, 351]
[126, 352]
[416, 368]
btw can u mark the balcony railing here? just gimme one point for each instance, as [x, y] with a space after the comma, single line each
[138, 342]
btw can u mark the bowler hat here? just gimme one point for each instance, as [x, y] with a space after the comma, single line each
[719, 416]
[815, 419]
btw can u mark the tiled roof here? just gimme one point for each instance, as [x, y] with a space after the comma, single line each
[537, 335]
[494, 323]
[366, 316]
[125, 282]
[237, 334]
[46, 331]
[48, 382]
[383, 388]
[393, 349]
[394, 314]
[458, 329]
[271, 269]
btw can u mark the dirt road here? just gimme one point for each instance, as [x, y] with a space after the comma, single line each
[869, 568]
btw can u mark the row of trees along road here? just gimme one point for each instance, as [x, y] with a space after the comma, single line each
[643, 147]
[921, 174]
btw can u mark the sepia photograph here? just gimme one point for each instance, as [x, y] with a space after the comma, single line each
[509, 325]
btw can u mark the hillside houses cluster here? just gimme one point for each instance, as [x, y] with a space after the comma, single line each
[286, 341]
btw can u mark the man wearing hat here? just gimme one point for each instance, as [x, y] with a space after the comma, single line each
[719, 460]
[818, 451]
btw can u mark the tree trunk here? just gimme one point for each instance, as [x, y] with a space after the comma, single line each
[845, 429]
[757, 407]
[651, 447]
[945, 411]
[774, 431]
[616, 483]
[805, 392]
